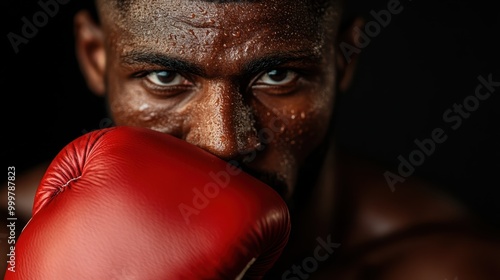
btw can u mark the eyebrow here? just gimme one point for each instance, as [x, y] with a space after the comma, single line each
[275, 60]
[162, 61]
[255, 66]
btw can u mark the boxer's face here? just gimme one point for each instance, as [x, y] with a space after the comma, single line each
[248, 81]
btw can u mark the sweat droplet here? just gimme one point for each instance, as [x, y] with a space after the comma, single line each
[191, 31]
[303, 115]
[147, 117]
[236, 34]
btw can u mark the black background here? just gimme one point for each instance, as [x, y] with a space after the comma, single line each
[412, 71]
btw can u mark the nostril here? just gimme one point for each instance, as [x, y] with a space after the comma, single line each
[226, 150]
[225, 146]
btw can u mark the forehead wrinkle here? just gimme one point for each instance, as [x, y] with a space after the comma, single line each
[197, 22]
[204, 14]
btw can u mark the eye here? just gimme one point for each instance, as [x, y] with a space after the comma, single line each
[277, 77]
[166, 78]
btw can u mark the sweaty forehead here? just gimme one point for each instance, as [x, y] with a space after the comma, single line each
[211, 31]
[296, 17]
[235, 9]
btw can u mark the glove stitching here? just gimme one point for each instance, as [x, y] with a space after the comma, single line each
[66, 185]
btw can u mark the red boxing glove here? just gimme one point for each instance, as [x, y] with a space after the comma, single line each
[133, 203]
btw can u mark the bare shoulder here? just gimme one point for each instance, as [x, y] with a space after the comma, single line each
[442, 254]
[415, 232]
[376, 211]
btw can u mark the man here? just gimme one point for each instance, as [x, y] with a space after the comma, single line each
[256, 82]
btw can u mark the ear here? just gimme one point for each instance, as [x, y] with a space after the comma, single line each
[348, 51]
[90, 51]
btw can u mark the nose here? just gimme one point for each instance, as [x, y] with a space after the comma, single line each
[221, 123]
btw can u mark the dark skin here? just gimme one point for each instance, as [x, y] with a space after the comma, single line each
[255, 83]
[238, 84]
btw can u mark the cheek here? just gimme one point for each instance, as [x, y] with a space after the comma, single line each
[132, 107]
[310, 122]
[288, 137]
[296, 130]
[306, 129]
